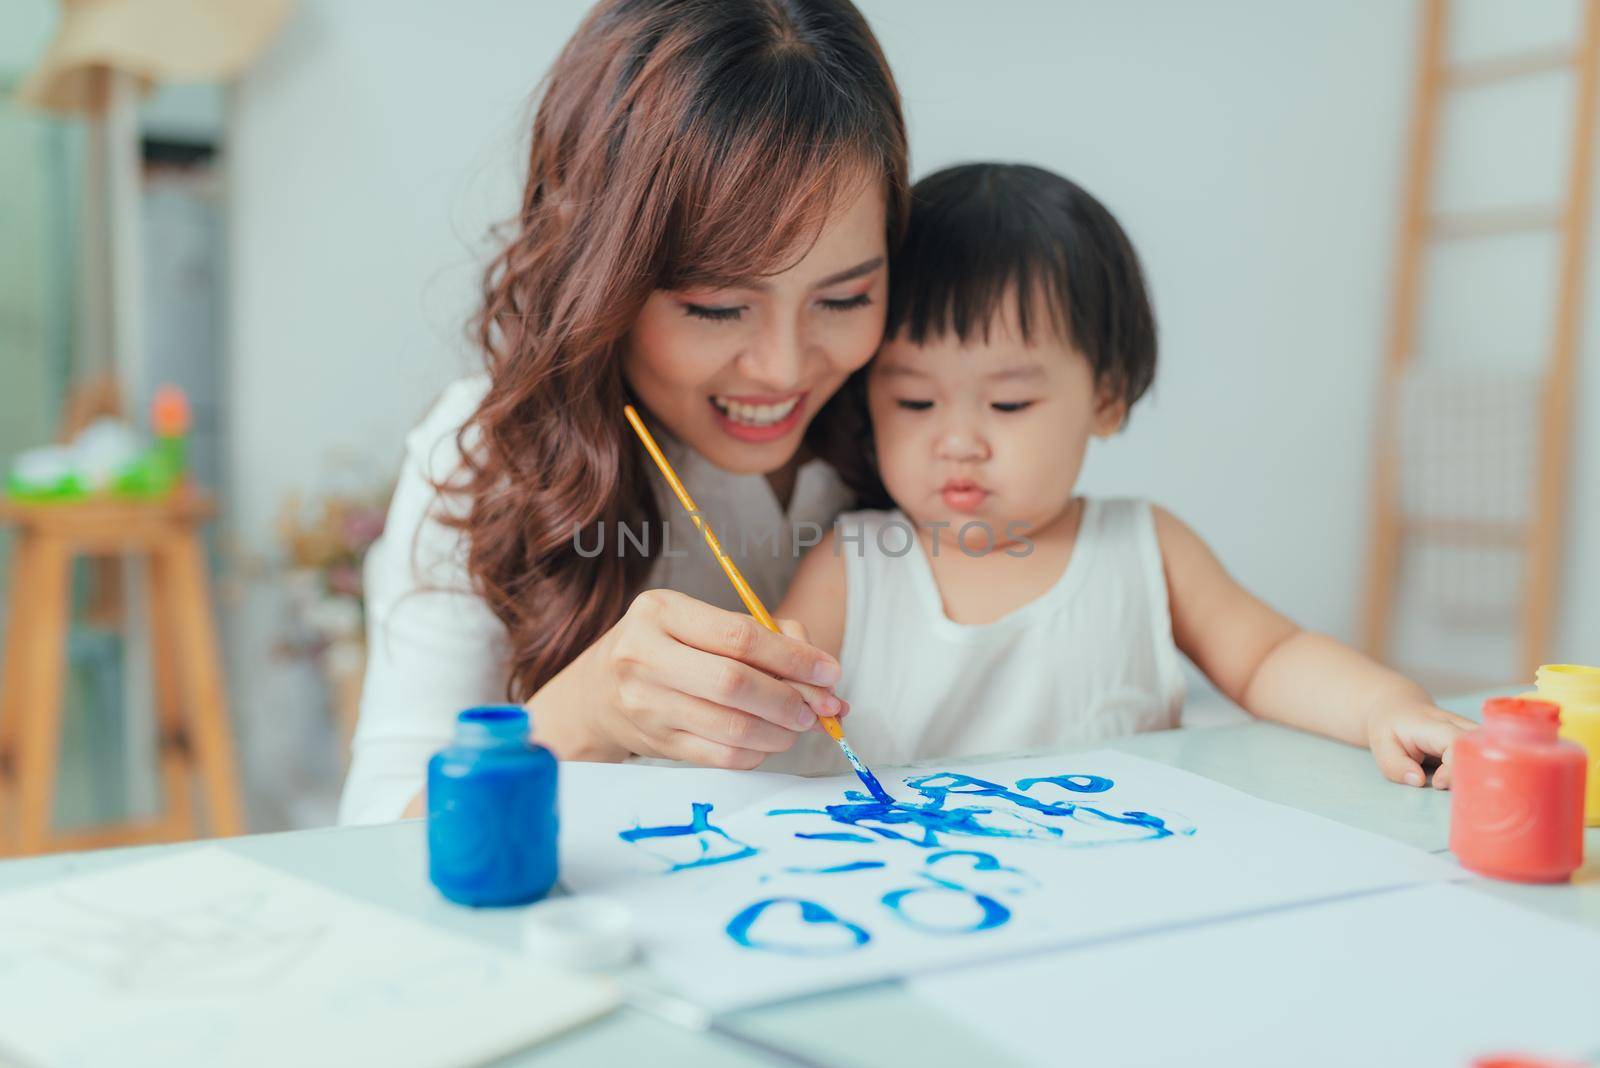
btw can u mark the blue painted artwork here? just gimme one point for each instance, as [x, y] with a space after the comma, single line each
[796, 927]
[920, 848]
[702, 844]
[838, 869]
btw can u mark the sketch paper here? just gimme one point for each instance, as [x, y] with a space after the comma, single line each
[207, 958]
[750, 890]
[1431, 975]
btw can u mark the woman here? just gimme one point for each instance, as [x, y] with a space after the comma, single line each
[713, 188]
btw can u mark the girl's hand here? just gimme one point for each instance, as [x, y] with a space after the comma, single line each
[1402, 736]
[679, 678]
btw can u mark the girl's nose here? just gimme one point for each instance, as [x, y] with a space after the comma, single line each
[775, 357]
[960, 443]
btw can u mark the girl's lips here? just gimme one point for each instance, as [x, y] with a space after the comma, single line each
[962, 495]
[753, 434]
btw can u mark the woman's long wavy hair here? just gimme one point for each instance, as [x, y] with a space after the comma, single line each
[677, 143]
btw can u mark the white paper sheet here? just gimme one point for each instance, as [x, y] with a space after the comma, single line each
[207, 958]
[1055, 860]
[1432, 975]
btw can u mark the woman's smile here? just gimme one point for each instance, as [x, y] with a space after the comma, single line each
[758, 417]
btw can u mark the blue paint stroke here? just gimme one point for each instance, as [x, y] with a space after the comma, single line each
[981, 862]
[991, 913]
[1090, 784]
[710, 839]
[810, 913]
[869, 780]
[927, 824]
[824, 836]
[838, 869]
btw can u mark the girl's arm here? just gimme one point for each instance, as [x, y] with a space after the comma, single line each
[816, 597]
[1275, 670]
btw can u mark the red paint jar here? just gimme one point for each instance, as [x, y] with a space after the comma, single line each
[1517, 806]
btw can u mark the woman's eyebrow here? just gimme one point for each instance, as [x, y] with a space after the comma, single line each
[864, 267]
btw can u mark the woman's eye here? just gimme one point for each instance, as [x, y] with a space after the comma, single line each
[714, 314]
[915, 405]
[861, 300]
[1011, 406]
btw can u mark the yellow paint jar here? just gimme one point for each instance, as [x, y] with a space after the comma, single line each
[1577, 690]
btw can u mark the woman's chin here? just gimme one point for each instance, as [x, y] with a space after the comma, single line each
[747, 458]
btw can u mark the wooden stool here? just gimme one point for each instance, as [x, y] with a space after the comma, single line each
[195, 737]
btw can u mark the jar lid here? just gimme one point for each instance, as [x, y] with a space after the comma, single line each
[579, 933]
[1523, 710]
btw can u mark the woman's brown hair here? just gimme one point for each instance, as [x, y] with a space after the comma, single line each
[677, 143]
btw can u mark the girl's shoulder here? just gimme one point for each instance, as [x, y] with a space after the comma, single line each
[1120, 509]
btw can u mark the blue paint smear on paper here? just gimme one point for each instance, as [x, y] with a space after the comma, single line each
[811, 913]
[991, 913]
[937, 817]
[831, 836]
[838, 869]
[980, 861]
[717, 846]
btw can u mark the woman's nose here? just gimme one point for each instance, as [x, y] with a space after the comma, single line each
[775, 357]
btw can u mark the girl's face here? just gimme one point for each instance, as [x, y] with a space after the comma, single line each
[739, 373]
[985, 431]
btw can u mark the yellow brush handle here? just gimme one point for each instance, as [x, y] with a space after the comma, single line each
[746, 594]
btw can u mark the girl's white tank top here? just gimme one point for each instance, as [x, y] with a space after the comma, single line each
[1090, 658]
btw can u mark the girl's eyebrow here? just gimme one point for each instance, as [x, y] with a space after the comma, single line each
[1025, 371]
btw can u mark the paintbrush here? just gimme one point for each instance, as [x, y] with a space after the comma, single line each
[751, 602]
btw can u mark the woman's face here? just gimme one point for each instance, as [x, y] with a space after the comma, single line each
[738, 373]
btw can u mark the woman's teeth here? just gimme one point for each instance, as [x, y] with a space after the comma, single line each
[755, 414]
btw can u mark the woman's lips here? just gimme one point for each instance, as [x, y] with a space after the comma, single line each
[756, 419]
[963, 495]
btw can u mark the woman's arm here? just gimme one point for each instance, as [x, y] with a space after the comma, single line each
[682, 679]
[1275, 670]
[433, 646]
[675, 677]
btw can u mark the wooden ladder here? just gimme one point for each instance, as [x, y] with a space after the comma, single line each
[1539, 537]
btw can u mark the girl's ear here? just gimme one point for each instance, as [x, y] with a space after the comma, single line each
[1109, 410]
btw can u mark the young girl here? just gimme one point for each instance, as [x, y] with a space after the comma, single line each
[991, 609]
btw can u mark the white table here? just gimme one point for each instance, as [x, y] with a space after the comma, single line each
[881, 1024]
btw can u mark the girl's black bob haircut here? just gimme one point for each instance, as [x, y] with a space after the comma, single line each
[981, 234]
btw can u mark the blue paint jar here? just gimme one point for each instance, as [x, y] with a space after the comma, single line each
[492, 811]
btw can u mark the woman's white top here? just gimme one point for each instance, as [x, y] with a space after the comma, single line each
[1091, 658]
[435, 647]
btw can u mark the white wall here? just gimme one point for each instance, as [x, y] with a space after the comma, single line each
[1252, 148]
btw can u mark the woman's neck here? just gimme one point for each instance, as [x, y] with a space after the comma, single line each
[783, 479]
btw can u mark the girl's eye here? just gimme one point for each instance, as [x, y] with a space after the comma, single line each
[1011, 406]
[715, 315]
[861, 300]
[915, 405]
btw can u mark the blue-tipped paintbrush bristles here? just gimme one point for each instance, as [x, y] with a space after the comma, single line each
[869, 780]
